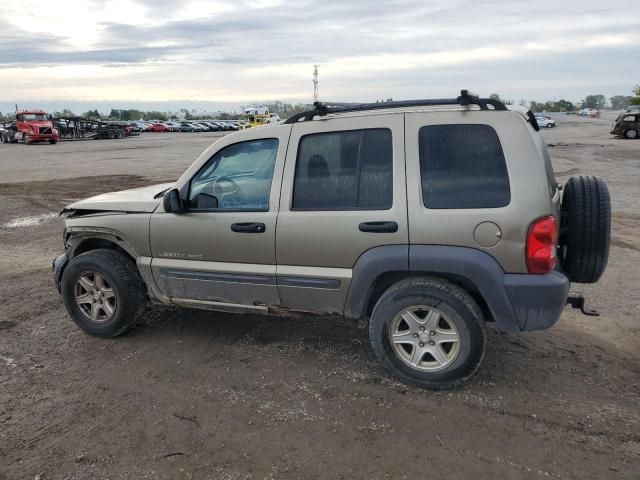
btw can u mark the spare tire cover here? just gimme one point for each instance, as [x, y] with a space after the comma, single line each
[585, 229]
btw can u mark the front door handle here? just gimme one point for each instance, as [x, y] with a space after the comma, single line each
[248, 227]
[378, 227]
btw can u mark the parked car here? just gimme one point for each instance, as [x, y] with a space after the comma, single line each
[188, 127]
[545, 122]
[8, 133]
[202, 127]
[589, 112]
[207, 127]
[274, 118]
[627, 125]
[427, 222]
[142, 126]
[213, 127]
[159, 127]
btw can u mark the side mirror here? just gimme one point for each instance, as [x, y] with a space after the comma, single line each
[171, 201]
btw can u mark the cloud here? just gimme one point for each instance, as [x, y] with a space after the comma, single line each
[215, 50]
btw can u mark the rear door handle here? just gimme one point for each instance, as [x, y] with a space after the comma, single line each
[248, 227]
[378, 227]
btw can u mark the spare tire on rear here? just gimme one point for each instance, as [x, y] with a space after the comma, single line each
[585, 229]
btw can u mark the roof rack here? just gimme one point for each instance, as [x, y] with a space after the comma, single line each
[465, 99]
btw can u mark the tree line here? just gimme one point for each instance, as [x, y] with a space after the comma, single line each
[597, 102]
[285, 110]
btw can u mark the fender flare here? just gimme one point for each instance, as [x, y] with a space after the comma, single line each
[368, 268]
[469, 264]
[475, 266]
[75, 236]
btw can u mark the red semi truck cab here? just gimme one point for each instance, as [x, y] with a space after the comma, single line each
[35, 126]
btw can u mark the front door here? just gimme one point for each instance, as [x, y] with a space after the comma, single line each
[343, 193]
[222, 250]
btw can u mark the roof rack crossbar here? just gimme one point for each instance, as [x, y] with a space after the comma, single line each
[466, 98]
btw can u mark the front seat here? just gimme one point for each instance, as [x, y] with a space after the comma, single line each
[317, 167]
[310, 189]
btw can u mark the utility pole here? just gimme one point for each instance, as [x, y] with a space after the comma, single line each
[316, 95]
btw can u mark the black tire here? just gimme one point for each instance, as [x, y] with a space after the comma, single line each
[3, 138]
[550, 125]
[119, 134]
[123, 277]
[53, 142]
[631, 134]
[585, 229]
[454, 303]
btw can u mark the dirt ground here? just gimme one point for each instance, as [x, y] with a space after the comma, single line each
[201, 395]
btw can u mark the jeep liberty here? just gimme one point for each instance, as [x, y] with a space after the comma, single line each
[430, 219]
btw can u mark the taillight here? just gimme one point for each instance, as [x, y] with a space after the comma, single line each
[541, 245]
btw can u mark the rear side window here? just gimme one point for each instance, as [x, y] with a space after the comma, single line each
[348, 170]
[462, 166]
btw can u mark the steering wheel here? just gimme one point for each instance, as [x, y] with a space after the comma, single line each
[224, 188]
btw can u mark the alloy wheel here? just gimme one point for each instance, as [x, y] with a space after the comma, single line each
[424, 338]
[95, 297]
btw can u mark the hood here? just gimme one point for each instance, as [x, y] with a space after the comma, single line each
[136, 200]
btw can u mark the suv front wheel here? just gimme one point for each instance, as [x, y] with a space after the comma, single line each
[103, 292]
[428, 332]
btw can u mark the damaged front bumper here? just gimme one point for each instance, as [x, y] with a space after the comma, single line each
[58, 266]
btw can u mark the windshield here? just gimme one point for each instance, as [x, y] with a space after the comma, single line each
[28, 117]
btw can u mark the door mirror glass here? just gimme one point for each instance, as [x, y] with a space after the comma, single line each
[171, 201]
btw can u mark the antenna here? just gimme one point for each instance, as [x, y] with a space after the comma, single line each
[316, 95]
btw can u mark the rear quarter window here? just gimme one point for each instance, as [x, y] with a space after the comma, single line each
[462, 166]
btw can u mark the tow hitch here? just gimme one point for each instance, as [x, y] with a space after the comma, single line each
[576, 300]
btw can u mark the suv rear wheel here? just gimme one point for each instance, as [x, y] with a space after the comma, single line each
[103, 292]
[428, 332]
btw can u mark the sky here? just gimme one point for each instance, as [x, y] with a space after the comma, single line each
[215, 54]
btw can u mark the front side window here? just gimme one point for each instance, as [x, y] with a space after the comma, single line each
[347, 170]
[462, 166]
[238, 177]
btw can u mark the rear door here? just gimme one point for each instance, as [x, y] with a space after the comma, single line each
[343, 193]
